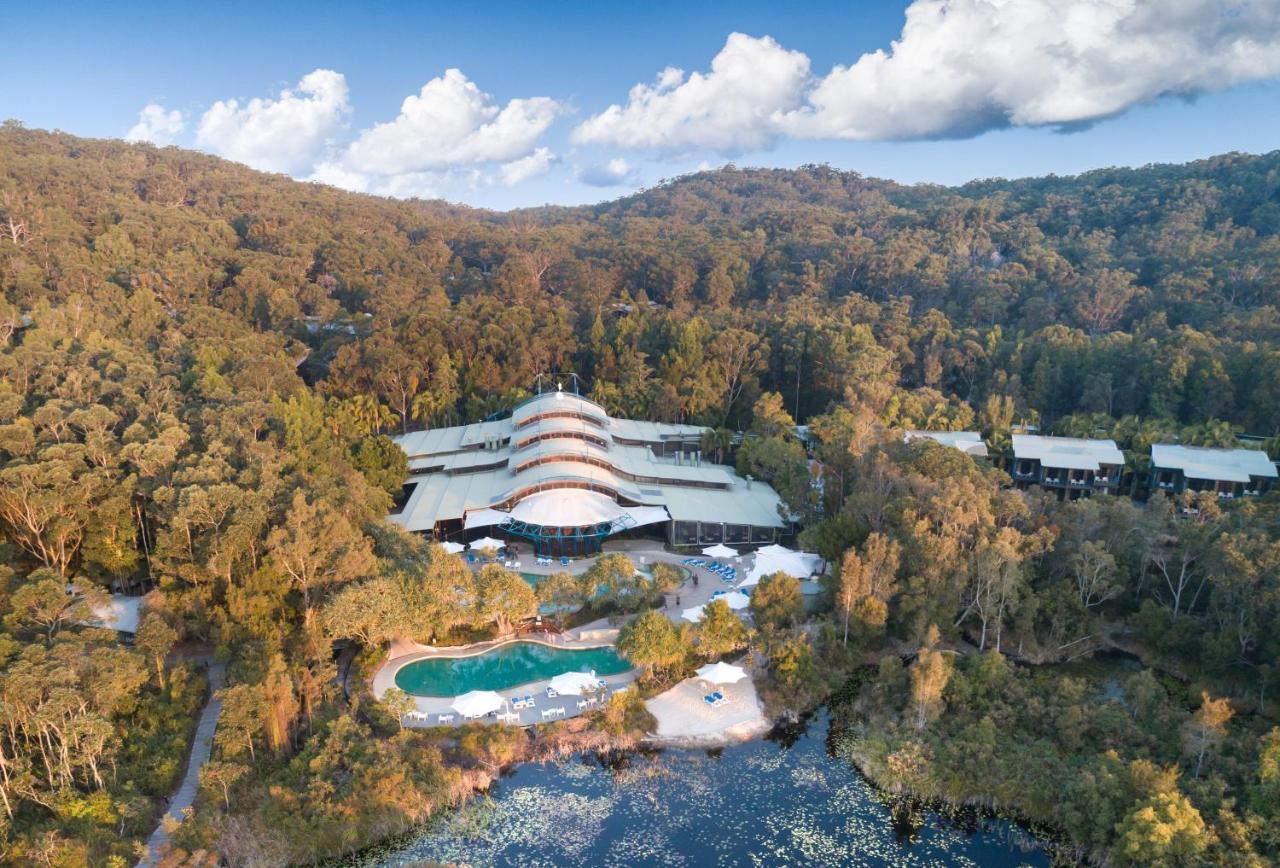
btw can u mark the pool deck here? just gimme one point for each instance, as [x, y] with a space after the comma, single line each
[686, 720]
[597, 634]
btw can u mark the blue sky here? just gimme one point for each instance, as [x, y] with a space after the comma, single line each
[973, 88]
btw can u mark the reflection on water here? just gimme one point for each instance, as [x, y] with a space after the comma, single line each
[775, 802]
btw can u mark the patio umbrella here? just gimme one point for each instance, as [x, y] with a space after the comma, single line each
[573, 683]
[486, 542]
[477, 702]
[719, 551]
[693, 615]
[722, 673]
[736, 600]
[452, 547]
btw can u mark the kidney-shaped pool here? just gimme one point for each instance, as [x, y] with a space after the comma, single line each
[503, 667]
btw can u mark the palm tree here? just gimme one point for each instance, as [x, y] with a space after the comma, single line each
[716, 440]
[1215, 432]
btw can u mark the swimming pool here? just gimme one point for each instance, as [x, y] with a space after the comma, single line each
[508, 666]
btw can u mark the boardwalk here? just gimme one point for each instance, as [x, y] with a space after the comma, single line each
[201, 747]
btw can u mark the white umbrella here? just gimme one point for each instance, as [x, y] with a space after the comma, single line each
[477, 702]
[573, 683]
[486, 542]
[736, 600]
[694, 615]
[452, 547]
[719, 551]
[722, 673]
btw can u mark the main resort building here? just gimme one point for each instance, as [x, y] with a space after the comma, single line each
[562, 474]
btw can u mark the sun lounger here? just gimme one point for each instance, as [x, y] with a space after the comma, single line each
[509, 718]
[582, 704]
[564, 560]
[445, 718]
[548, 713]
[551, 693]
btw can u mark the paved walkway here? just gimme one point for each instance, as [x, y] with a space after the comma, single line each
[201, 748]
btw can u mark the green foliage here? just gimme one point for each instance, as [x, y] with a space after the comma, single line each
[200, 367]
[651, 641]
[776, 603]
[720, 631]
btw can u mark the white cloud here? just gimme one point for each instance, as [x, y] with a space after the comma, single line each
[156, 125]
[610, 174]
[518, 171]
[286, 134]
[731, 109]
[964, 66]
[960, 67]
[451, 122]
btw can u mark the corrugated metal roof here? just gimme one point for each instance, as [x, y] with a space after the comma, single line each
[452, 474]
[1067, 453]
[1221, 465]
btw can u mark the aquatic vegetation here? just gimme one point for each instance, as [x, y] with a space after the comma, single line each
[751, 804]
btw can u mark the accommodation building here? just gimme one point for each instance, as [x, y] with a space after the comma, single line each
[1229, 472]
[1072, 466]
[563, 474]
[968, 442]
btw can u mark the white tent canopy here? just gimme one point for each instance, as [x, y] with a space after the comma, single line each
[452, 547]
[477, 702]
[801, 565]
[694, 615]
[719, 550]
[735, 600]
[486, 542]
[775, 549]
[484, 518]
[574, 683]
[572, 507]
[119, 613]
[722, 673]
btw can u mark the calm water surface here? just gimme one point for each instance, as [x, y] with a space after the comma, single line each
[763, 803]
[504, 667]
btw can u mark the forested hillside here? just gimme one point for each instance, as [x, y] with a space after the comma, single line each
[200, 365]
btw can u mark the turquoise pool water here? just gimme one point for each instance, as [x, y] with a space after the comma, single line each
[508, 666]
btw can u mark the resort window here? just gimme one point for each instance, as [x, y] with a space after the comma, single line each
[685, 533]
[560, 414]
[736, 533]
[552, 435]
[712, 533]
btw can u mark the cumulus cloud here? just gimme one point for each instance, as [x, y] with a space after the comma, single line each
[730, 109]
[959, 68]
[518, 171]
[962, 67]
[610, 174]
[286, 134]
[451, 122]
[156, 125]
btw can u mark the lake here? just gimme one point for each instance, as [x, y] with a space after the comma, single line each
[766, 803]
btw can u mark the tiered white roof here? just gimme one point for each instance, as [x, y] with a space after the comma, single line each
[1218, 465]
[558, 458]
[1068, 453]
